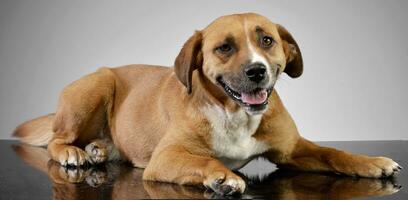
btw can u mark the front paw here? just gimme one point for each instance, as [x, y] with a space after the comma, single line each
[372, 167]
[225, 184]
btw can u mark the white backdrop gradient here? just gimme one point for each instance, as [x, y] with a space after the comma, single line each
[355, 52]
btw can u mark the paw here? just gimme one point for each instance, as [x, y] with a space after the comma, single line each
[97, 152]
[388, 167]
[225, 184]
[375, 167]
[72, 156]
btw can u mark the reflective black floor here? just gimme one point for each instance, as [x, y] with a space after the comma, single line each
[27, 173]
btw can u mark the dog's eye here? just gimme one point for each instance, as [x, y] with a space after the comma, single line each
[225, 48]
[267, 41]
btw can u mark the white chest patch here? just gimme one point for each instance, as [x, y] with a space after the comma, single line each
[231, 133]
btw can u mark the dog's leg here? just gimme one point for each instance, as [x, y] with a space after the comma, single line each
[311, 157]
[288, 149]
[81, 116]
[175, 164]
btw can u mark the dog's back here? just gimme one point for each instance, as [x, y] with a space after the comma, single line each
[135, 88]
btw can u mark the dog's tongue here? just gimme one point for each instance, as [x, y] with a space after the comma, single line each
[254, 97]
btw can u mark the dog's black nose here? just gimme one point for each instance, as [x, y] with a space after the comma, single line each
[256, 72]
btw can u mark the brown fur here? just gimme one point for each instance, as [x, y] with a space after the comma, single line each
[153, 114]
[36, 132]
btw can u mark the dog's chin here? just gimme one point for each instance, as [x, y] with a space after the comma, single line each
[254, 102]
[256, 110]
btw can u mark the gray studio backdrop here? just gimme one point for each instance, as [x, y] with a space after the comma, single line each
[355, 52]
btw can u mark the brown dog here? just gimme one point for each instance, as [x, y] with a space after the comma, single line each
[215, 110]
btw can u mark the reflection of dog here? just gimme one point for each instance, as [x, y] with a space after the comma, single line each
[106, 181]
[300, 185]
[216, 105]
[123, 182]
[66, 183]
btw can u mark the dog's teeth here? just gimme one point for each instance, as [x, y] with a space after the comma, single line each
[230, 91]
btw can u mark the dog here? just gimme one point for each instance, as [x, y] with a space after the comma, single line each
[194, 123]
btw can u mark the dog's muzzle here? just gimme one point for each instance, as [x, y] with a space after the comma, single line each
[255, 100]
[256, 72]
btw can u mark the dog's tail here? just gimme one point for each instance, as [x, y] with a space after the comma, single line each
[37, 132]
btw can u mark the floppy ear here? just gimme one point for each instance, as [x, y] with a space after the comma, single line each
[189, 59]
[294, 61]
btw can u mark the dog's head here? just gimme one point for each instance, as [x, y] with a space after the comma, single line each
[242, 54]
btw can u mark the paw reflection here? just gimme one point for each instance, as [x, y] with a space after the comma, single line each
[96, 178]
[121, 181]
[301, 185]
[70, 174]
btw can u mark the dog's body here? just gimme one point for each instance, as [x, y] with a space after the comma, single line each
[216, 107]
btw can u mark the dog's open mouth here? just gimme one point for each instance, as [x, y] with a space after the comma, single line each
[255, 98]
